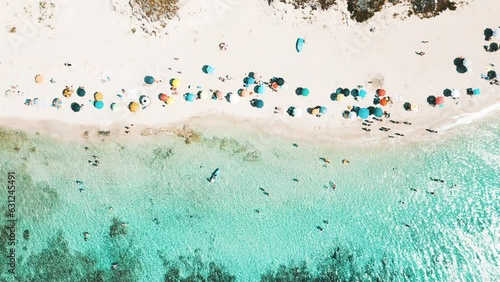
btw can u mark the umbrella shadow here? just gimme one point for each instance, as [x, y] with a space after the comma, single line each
[298, 91]
[407, 106]
[447, 92]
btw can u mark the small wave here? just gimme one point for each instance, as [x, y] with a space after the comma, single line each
[468, 118]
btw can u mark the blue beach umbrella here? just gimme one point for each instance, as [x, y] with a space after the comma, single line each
[250, 80]
[80, 91]
[305, 92]
[323, 110]
[190, 97]
[363, 113]
[149, 79]
[260, 89]
[476, 91]
[98, 104]
[258, 104]
[378, 112]
[208, 69]
[362, 93]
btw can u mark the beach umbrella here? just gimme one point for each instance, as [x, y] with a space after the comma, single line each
[355, 92]
[219, 95]
[134, 107]
[378, 112]
[145, 100]
[36, 101]
[98, 104]
[170, 101]
[493, 47]
[466, 63]
[323, 110]
[346, 92]
[431, 100]
[258, 104]
[304, 92]
[439, 100]
[384, 102]
[250, 80]
[413, 107]
[75, 107]
[362, 93]
[80, 91]
[67, 92]
[176, 83]
[339, 90]
[38, 78]
[352, 115]
[363, 113]
[275, 86]
[488, 33]
[115, 107]
[244, 93]
[299, 44]
[380, 92]
[296, 112]
[105, 76]
[163, 97]
[234, 98]
[203, 95]
[190, 97]
[492, 74]
[496, 32]
[149, 79]
[57, 103]
[280, 81]
[315, 111]
[98, 96]
[476, 91]
[9, 93]
[340, 97]
[260, 89]
[208, 69]
[462, 69]
[455, 93]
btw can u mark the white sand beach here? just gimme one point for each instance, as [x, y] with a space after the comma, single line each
[98, 43]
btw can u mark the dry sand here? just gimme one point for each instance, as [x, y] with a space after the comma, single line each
[338, 53]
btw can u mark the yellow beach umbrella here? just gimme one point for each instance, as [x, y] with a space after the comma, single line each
[176, 83]
[340, 97]
[244, 93]
[170, 101]
[38, 78]
[67, 92]
[134, 107]
[98, 96]
[315, 111]
[349, 108]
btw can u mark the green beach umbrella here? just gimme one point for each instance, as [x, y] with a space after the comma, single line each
[80, 91]
[305, 92]
[75, 107]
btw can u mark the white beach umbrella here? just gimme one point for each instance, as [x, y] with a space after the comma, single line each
[496, 32]
[145, 100]
[203, 95]
[455, 93]
[297, 112]
[105, 76]
[9, 93]
[467, 63]
[115, 107]
[234, 98]
[353, 115]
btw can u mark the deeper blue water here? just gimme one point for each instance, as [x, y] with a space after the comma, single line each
[386, 220]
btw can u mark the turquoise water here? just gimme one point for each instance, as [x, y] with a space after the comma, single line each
[374, 226]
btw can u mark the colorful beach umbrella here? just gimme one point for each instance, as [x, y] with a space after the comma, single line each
[98, 104]
[380, 92]
[38, 78]
[115, 107]
[340, 97]
[170, 101]
[163, 97]
[275, 86]
[98, 96]
[176, 83]
[134, 107]
[57, 103]
[362, 93]
[149, 79]
[258, 104]
[304, 92]
[144, 100]
[75, 107]
[80, 91]
[67, 92]
[363, 113]
[378, 112]
[439, 100]
[260, 89]
[190, 97]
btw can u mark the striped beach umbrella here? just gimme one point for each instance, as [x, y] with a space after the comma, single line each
[57, 103]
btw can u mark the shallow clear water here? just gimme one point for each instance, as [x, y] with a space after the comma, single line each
[374, 226]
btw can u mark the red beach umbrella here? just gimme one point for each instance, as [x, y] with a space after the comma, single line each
[380, 92]
[163, 97]
[275, 86]
[384, 102]
[439, 100]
